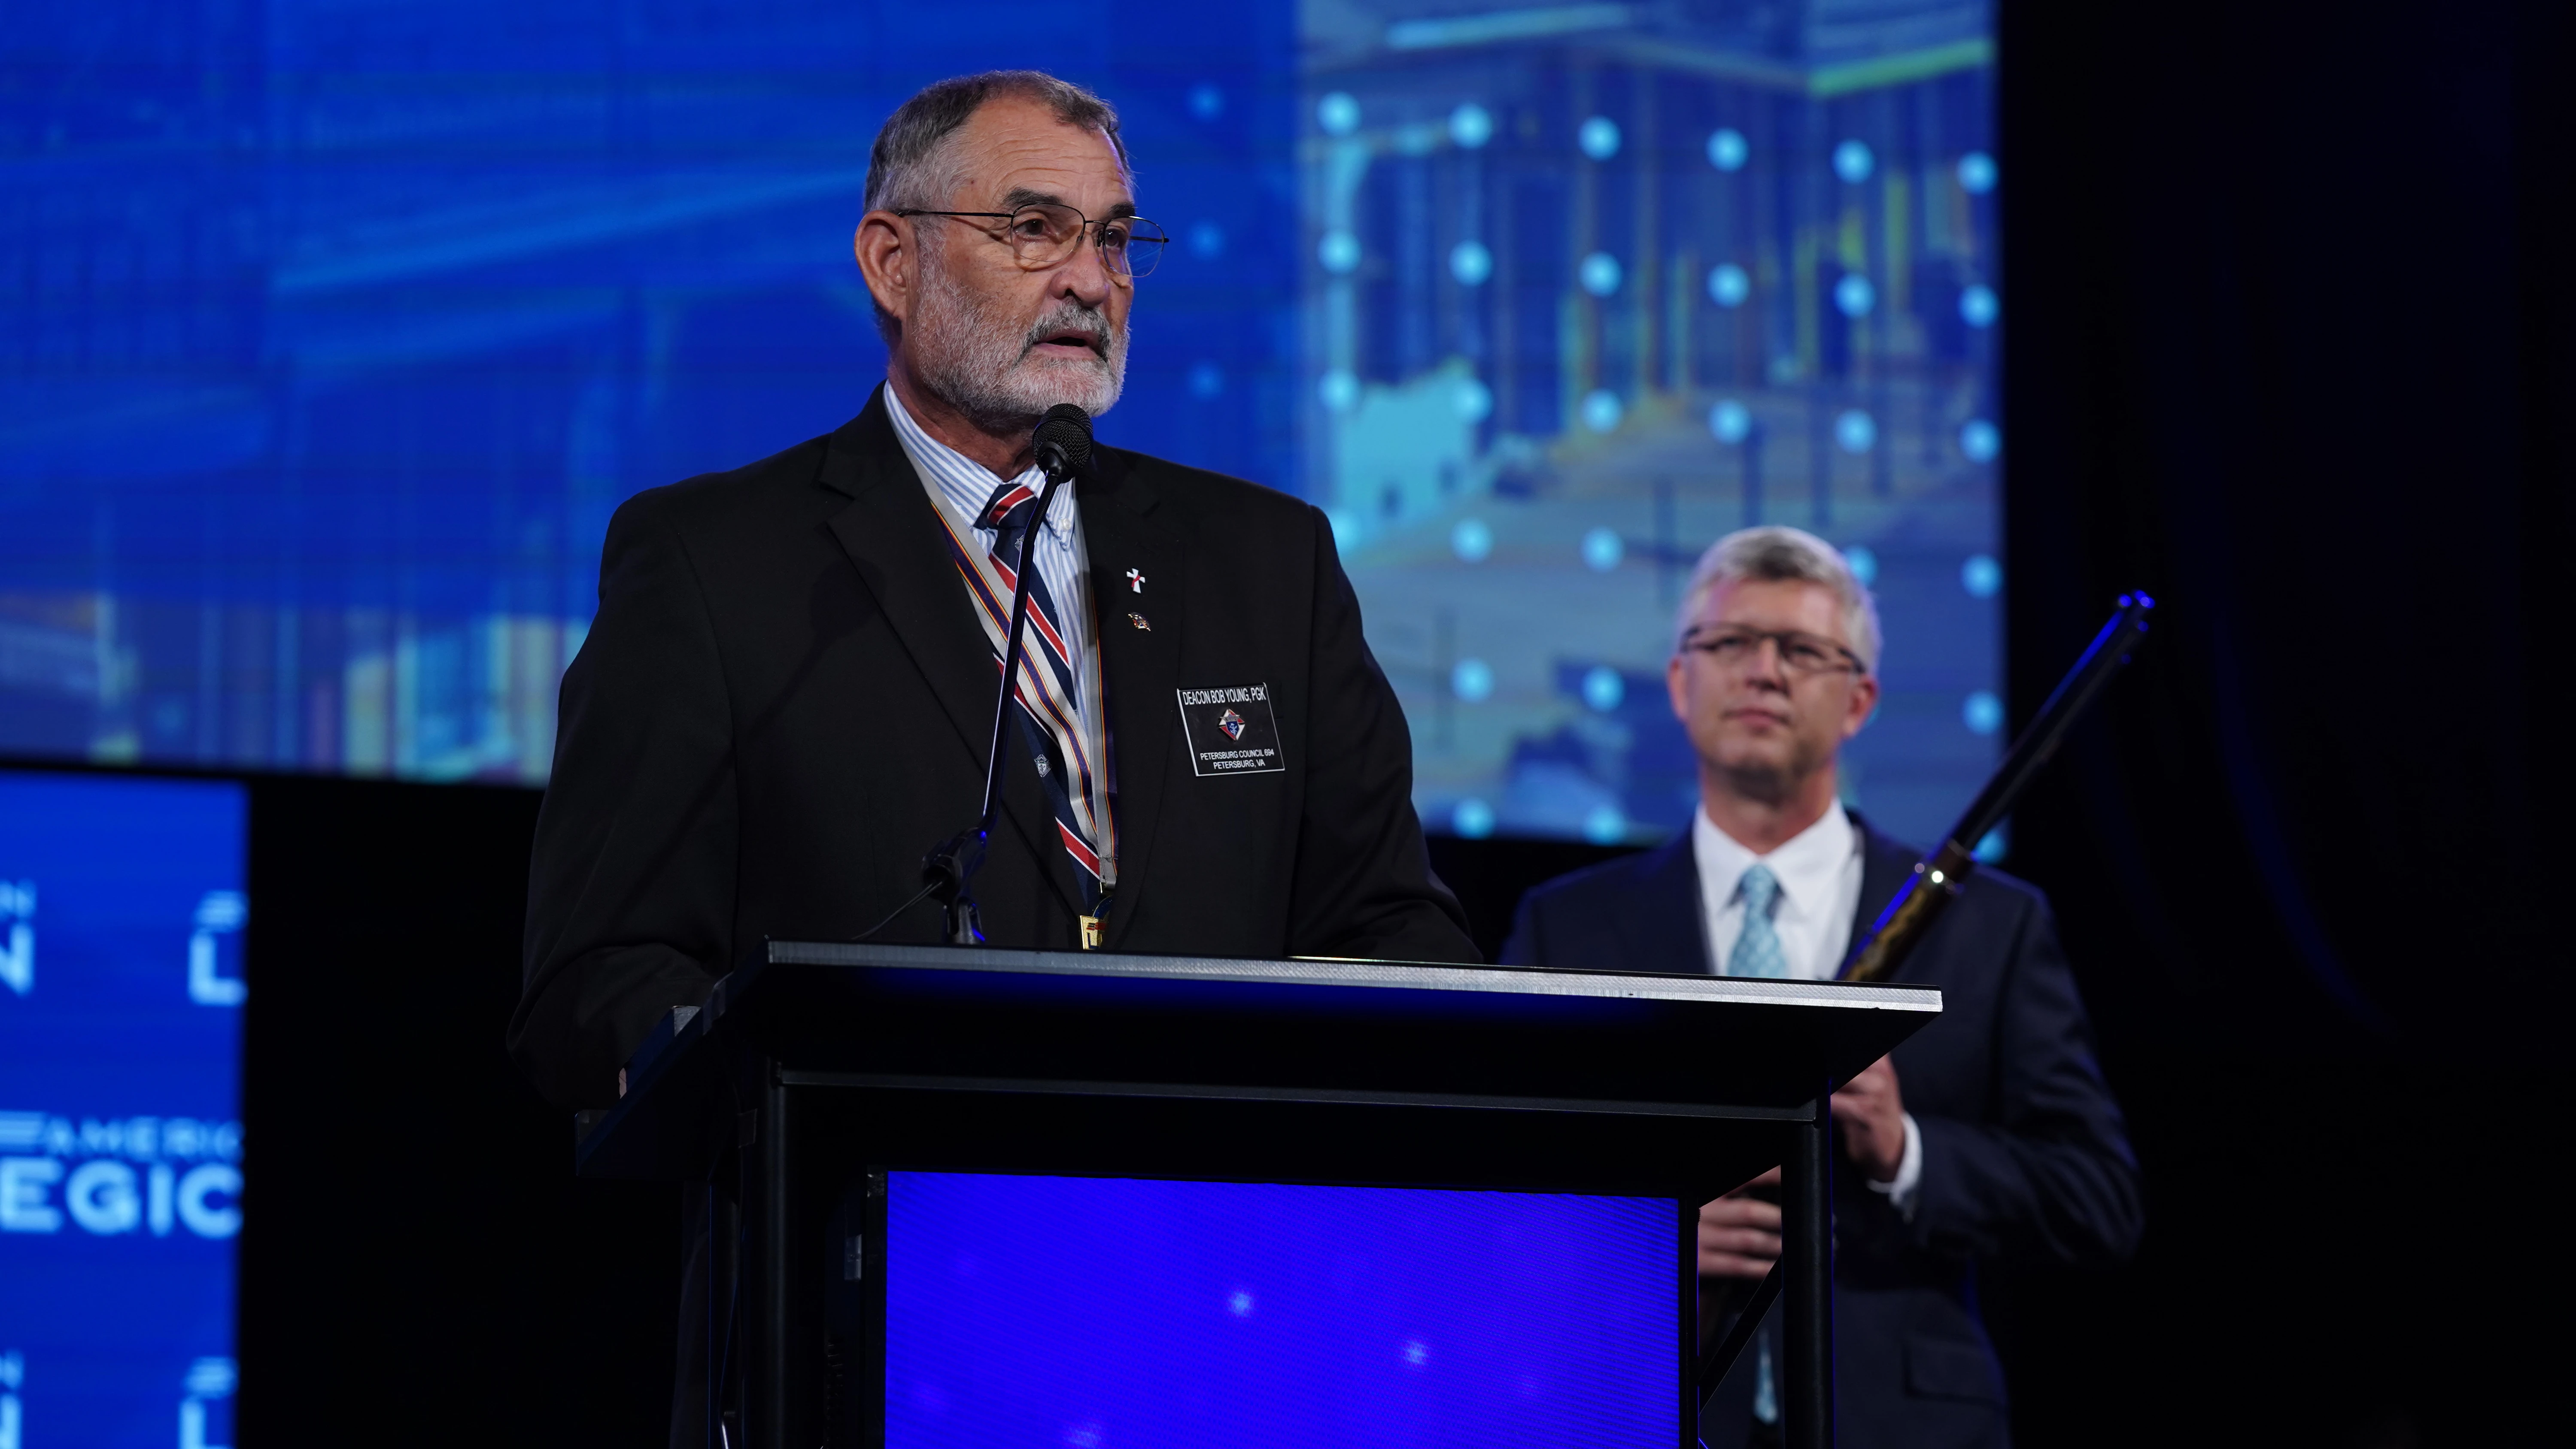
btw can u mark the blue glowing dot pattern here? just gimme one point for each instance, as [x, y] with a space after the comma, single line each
[1471, 262]
[1339, 251]
[1979, 306]
[1603, 549]
[1472, 680]
[1982, 712]
[1471, 125]
[1980, 440]
[1603, 688]
[1472, 818]
[312, 472]
[1981, 576]
[1730, 421]
[1605, 824]
[1338, 113]
[1197, 1313]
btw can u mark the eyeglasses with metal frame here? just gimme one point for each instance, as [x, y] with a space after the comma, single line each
[1043, 234]
[1800, 653]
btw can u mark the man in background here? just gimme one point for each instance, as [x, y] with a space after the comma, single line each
[1988, 1136]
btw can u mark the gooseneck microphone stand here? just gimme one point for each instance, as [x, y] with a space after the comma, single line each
[1938, 877]
[1062, 447]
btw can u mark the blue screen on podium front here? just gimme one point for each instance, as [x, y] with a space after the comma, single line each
[121, 988]
[1111, 1313]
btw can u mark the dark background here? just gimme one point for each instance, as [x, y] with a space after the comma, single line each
[2305, 860]
[2290, 322]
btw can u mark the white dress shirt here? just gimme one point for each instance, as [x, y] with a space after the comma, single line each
[1819, 871]
[959, 487]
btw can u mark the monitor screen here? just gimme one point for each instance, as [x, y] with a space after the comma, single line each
[340, 336]
[1111, 1313]
[121, 919]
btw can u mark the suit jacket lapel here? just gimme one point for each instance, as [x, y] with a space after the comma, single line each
[892, 535]
[1885, 865]
[1659, 927]
[1140, 664]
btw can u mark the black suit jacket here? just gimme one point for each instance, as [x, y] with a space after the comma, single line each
[785, 701]
[2024, 1153]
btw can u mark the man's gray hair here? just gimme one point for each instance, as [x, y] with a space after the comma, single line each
[906, 166]
[1785, 555]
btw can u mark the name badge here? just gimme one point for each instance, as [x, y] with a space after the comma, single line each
[1231, 730]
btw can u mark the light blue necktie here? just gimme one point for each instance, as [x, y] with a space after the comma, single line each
[1757, 953]
[1757, 950]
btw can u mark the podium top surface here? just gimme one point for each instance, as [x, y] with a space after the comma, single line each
[1059, 1022]
[1383, 1025]
[1326, 971]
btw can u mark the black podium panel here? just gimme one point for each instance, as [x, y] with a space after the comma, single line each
[1028, 1023]
[810, 1074]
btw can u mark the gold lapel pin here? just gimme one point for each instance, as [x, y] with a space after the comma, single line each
[1139, 621]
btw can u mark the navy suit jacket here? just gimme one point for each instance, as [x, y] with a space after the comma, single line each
[2025, 1157]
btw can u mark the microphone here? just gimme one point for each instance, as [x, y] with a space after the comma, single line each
[1062, 447]
[1063, 442]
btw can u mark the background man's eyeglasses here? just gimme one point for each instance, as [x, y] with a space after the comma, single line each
[1044, 233]
[1799, 653]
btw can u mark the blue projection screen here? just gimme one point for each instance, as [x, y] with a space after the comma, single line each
[1107, 1313]
[333, 335]
[121, 919]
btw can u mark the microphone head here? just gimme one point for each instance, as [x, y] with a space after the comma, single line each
[1063, 442]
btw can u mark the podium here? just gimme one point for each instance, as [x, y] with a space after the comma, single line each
[812, 1072]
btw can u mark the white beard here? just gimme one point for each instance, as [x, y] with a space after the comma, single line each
[979, 363]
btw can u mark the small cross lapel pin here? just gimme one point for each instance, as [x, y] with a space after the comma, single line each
[1135, 582]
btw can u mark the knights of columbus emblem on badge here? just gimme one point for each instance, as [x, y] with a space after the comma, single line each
[1231, 723]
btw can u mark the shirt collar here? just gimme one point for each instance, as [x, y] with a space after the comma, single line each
[1807, 864]
[962, 484]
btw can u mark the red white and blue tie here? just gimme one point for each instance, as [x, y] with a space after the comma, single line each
[1046, 700]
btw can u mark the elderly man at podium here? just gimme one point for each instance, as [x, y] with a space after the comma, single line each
[788, 695]
[1988, 1136]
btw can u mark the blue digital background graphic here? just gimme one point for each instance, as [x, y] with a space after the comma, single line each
[331, 335]
[121, 924]
[1587, 287]
[1106, 1313]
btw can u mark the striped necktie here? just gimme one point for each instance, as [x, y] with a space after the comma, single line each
[1047, 688]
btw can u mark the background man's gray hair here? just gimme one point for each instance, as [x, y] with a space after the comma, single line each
[905, 167]
[1784, 555]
